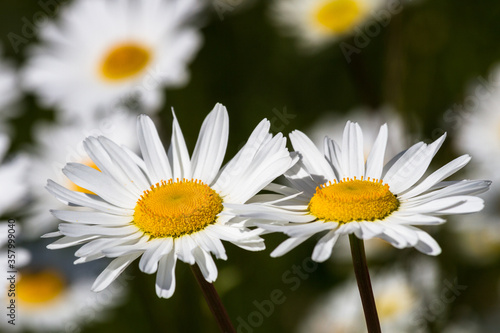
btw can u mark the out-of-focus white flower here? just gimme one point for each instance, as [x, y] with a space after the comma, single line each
[397, 297]
[319, 22]
[105, 52]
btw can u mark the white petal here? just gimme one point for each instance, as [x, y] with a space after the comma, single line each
[305, 230]
[300, 179]
[312, 158]
[211, 145]
[353, 161]
[368, 230]
[106, 164]
[100, 184]
[152, 150]
[437, 176]
[178, 153]
[165, 277]
[426, 244]
[375, 160]
[102, 245]
[114, 269]
[91, 217]
[77, 230]
[206, 264]
[333, 155]
[149, 260]
[411, 166]
[260, 211]
[450, 205]
[417, 219]
[65, 242]
[210, 244]
[324, 247]
[184, 247]
[129, 166]
[287, 246]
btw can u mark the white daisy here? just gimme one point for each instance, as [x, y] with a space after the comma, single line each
[341, 194]
[12, 174]
[397, 297]
[166, 206]
[49, 299]
[58, 144]
[104, 52]
[319, 22]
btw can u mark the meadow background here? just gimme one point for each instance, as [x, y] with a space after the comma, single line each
[423, 64]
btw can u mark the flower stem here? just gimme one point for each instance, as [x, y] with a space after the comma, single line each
[364, 284]
[214, 302]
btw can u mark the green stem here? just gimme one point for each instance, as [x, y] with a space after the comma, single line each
[364, 284]
[214, 302]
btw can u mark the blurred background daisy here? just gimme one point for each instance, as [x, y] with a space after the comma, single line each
[73, 68]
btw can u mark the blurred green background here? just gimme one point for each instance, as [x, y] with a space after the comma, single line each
[421, 63]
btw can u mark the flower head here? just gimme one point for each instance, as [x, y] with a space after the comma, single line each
[104, 53]
[167, 205]
[341, 193]
[320, 22]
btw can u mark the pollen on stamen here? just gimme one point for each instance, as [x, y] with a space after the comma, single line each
[174, 209]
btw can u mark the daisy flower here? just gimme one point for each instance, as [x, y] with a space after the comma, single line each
[167, 205]
[337, 192]
[106, 52]
[51, 297]
[319, 22]
[58, 144]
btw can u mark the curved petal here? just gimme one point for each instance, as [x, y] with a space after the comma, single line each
[153, 151]
[323, 249]
[206, 264]
[114, 269]
[211, 145]
[375, 160]
[314, 161]
[165, 277]
[353, 160]
[178, 154]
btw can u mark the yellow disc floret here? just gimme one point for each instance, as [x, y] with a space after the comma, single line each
[125, 61]
[338, 16]
[173, 209]
[353, 200]
[38, 288]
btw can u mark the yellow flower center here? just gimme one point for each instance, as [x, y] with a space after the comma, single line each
[125, 61]
[174, 209]
[72, 186]
[338, 16]
[353, 200]
[38, 288]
